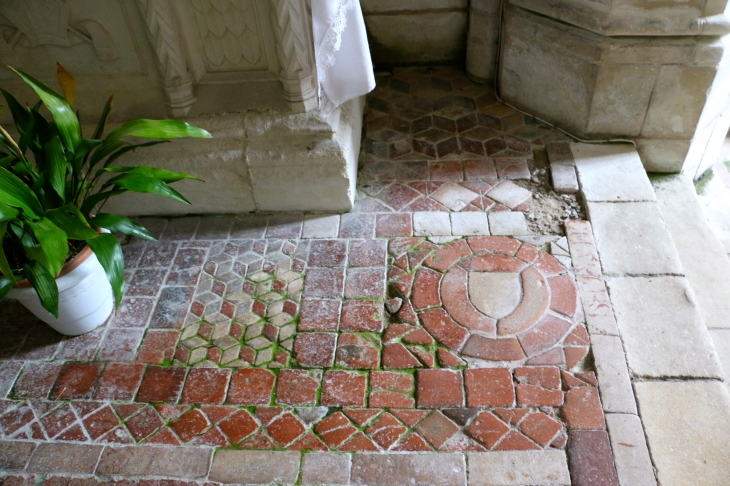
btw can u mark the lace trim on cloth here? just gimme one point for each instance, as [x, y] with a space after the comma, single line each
[332, 40]
[342, 54]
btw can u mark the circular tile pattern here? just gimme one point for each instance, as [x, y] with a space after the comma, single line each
[495, 299]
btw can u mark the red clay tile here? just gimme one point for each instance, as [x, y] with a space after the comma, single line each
[512, 416]
[217, 413]
[455, 294]
[161, 385]
[356, 352]
[157, 346]
[540, 428]
[582, 409]
[449, 360]
[144, 423]
[396, 356]
[324, 282]
[258, 442]
[426, 289]
[390, 399]
[362, 315]
[285, 429]
[125, 410]
[206, 385]
[319, 315]
[75, 434]
[419, 337]
[487, 429]
[309, 443]
[327, 253]
[366, 253]
[439, 388]
[315, 350]
[359, 443]
[437, 429]
[386, 431]
[251, 387]
[442, 327]
[412, 443]
[579, 336]
[489, 387]
[514, 441]
[573, 355]
[100, 422]
[387, 380]
[361, 416]
[76, 381]
[119, 381]
[54, 422]
[424, 356]
[164, 437]
[367, 283]
[343, 389]
[191, 425]
[36, 380]
[543, 335]
[239, 426]
[563, 295]
[448, 255]
[296, 387]
[335, 429]
[398, 224]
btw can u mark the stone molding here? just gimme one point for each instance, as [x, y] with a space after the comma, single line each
[164, 31]
[294, 45]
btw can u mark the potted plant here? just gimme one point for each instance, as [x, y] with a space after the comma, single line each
[57, 255]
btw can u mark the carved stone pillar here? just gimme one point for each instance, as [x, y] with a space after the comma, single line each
[294, 46]
[164, 32]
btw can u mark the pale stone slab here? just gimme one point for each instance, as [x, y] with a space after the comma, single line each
[454, 196]
[662, 328]
[509, 194]
[321, 226]
[565, 179]
[583, 248]
[495, 294]
[507, 223]
[687, 425]
[326, 468]
[613, 374]
[176, 462]
[611, 173]
[436, 469]
[633, 463]
[518, 468]
[65, 458]
[255, 467]
[702, 255]
[431, 223]
[469, 223]
[632, 239]
[596, 306]
[721, 340]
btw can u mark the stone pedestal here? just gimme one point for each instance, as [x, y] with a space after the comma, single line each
[244, 69]
[482, 39]
[668, 93]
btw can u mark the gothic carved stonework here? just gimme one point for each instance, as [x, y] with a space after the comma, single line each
[47, 22]
[230, 34]
[295, 49]
[164, 31]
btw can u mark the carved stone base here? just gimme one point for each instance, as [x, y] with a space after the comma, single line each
[263, 161]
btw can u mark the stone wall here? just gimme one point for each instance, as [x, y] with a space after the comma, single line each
[416, 31]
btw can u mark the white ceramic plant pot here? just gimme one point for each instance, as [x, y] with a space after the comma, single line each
[85, 298]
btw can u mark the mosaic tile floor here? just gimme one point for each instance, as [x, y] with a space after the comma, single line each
[403, 326]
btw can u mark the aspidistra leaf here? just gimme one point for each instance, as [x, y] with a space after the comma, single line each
[67, 83]
[166, 176]
[56, 166]
[4, 265]
[70, 220]
[5, 286]
[109, 252]
[104, 115]
[144, 184]
[44, 283]
[90, 202]
[120, 224]
[14, 192]
[66, 120]
[53, 242]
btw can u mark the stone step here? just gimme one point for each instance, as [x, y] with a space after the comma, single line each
[651, 244]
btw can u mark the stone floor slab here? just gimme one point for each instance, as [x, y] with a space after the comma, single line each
[325, 468]
[632, 239]
[687, 425]
[507, 223]
[321, 226]
[255, 467]
[613, 374]
[662, 329]
[400, 469]
[65, 458]
[611, 173]
[518, 468]
[633, 463]
[702, 255]
[179, 462]
[721, 340]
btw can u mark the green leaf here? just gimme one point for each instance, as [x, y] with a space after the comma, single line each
[44, 283]
[144, 184]
[53, 242]
[4, 265]
[66, 120]
[22, 117]
[102, 121]
[109, 252]
[130, 148]
[161, 174]
[5, 286]
[90, 202]
[120, 224]
[144, 128]
[7, 213]
[14, 192]
[72, 222]
[56, 166]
